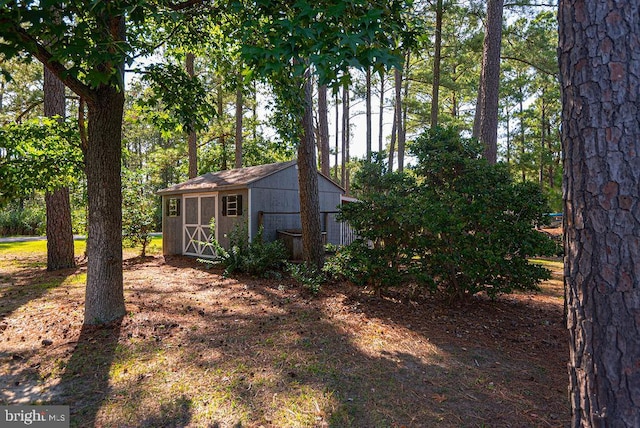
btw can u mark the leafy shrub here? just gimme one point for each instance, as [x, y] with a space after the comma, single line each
[454, 224]
[255, 257]
[138, 211]
[363, 265]
[28, 219]
[306, 275]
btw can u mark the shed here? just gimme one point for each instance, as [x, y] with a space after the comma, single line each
[263, 195]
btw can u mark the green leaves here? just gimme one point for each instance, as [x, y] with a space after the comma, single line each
[459, 226]
[138, 210]
[38, 155]
[283, 40]
[184, 98]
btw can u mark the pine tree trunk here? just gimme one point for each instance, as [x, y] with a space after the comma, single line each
[523, 140]
[436, 66]
[104, 300]
[59, 228]
[239, 110]
[486, 123]
[323, 119]
[337, 140]
[508, 126]
[398, 116]
[192, 143]
[60, 252]
[222, 138]
[345, 137]
[543, 143]
[381, 110]
[600, 77]
[312, 248]
[394, 133]
[368, 111]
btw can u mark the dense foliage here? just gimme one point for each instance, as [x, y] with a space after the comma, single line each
[138, 209]
[39, 155]
[23, 218]
[255, 258]
[454, 225]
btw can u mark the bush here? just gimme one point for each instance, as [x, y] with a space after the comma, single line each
[254, 258]
[366, 266]
[28, 219]
[308, 276]
[138, 210]
[455, 224]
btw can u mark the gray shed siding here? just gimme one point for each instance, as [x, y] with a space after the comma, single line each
[225, 224]
[279, 193]
[171, 229]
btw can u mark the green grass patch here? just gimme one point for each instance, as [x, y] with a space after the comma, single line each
[549, 263]
[36, 248]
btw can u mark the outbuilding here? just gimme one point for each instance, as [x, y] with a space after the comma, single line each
[263, 195]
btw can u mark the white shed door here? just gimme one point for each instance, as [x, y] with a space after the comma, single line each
[197, 233]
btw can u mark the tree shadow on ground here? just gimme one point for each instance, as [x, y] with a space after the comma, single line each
[274, 366]
[175, 414]
[87, 372]
[28, 284]
[513, 346]
[199, 350]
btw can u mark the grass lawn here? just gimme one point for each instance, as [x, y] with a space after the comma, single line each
[200, 350]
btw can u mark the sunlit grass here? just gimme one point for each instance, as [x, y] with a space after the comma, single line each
[549, 263]
[39, 248]
[302, 405]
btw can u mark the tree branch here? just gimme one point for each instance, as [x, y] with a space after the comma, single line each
[37, 49]
[159, 44]
[524, 61]
[27, 110]
[521, 4]
[82, 128]
[185, 4]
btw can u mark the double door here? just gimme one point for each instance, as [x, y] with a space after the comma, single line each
[198, 232]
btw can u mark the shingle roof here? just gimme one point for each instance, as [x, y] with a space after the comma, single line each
[231, 178]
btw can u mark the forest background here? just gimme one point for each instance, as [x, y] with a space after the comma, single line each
[241, 122]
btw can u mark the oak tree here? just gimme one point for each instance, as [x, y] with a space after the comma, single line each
[87, 48]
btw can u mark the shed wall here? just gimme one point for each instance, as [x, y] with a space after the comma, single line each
[171, 229]
[226, 223]
[279, 193]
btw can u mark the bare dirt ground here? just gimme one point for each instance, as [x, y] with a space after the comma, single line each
[200, 350]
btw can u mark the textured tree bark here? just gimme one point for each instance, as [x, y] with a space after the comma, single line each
[368, 112]
[392, 142]
[323, 120]
[398, 117]
[435, 105]
[381, 113]
[59, 229]
[346, 133]
[337, 140]
[192, 138]
[60, 252]
[312, 248]
[239, 139]
[486, 120]
[104, 300]
[599, 51]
